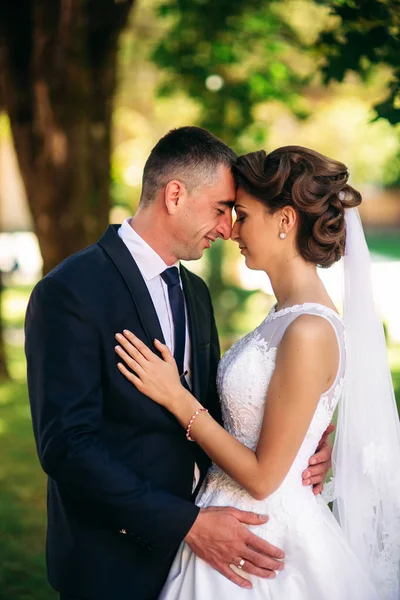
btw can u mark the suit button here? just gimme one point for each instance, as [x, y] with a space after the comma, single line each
[122, 531]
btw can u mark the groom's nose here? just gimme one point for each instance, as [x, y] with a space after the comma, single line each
[224, 228]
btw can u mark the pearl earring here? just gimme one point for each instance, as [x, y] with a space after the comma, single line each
[282, 235]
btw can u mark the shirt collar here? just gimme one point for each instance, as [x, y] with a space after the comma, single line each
[150, 263]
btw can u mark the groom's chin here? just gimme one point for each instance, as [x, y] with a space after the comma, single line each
[193, 254]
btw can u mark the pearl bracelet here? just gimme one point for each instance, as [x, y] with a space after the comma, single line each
[202, 409]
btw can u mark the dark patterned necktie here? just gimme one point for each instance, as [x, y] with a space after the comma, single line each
[171, 278]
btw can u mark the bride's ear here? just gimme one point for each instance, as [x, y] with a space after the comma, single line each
[288, 219]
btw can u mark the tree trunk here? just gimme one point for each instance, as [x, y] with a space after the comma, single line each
[58, 64]
[4, 374]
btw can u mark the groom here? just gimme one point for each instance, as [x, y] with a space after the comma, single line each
[120, 470]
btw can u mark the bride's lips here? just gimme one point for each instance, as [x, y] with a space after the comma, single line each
[242, 249]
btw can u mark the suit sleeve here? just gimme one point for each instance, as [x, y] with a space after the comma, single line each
[213, 400]
[65, 389]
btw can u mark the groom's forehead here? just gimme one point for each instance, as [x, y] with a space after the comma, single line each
[225, 191]
[225, 182]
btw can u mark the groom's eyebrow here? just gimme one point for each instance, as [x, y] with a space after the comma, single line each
[227, 203]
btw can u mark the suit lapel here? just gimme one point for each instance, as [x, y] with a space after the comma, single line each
[124, 262]
[193, 331]
[126, 265]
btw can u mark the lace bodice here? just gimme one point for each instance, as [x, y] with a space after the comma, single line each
[246, 370]
[244, 374]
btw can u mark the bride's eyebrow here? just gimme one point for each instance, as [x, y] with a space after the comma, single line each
[239, 206]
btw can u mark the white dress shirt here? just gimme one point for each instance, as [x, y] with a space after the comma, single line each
[151, 265]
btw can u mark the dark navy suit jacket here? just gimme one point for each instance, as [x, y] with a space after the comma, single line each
[120, 469]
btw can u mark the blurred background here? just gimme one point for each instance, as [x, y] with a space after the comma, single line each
[87, 87]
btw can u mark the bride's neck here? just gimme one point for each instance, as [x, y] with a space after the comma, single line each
[296, 282]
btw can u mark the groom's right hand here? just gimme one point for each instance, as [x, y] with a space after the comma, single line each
[218, 537]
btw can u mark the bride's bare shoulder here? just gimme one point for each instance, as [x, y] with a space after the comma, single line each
[310, 338]
[309, 327]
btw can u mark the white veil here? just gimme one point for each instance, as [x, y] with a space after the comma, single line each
[366, 458]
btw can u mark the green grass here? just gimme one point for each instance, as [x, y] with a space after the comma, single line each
[23, 496]
[22, 482]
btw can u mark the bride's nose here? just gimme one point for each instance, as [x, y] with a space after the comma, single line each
[235, 232]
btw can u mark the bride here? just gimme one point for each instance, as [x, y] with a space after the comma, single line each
[279, 387]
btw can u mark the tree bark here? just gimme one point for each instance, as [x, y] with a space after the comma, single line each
[4, 374]
[58, 66]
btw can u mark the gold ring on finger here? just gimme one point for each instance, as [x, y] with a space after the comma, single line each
[241, 564]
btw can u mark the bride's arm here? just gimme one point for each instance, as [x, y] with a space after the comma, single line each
[306, 365]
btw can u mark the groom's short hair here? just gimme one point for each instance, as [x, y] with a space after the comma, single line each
[190, 154]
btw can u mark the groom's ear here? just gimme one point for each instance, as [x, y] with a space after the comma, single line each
[174, 195]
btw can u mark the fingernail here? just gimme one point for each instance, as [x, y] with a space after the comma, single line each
[117, 348]
[313, 461]
[118, 336]
[126, 331]
[247, 585]
[307, 482]
[263, 517]
[306, 474]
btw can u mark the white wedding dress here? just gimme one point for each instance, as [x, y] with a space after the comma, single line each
[319, 563]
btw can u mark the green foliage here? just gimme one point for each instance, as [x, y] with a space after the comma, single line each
[387, 244]
[368, 35]
[229, 56]
[229, 299]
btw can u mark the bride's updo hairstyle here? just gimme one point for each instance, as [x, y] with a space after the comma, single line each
[316, 186]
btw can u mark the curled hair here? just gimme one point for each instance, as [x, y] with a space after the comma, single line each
[316, 186]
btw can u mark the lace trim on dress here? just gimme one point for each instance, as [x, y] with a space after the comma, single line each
[274, 314]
